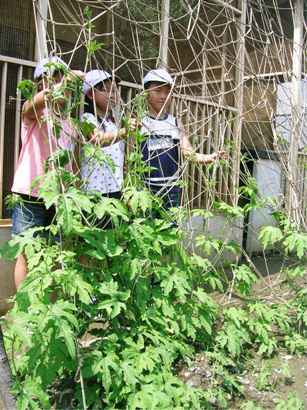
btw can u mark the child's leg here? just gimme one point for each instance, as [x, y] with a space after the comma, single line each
[20, 271]
[25, 215]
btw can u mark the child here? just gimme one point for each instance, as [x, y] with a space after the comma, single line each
[37, 146]
[166, 141]
[100, 97]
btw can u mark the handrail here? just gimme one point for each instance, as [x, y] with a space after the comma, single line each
[19, 61]
[196, 99]
[203, 100]
[192, 98]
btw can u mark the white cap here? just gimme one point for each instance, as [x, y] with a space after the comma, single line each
[158, 75]
[42, 67]
[95, 77]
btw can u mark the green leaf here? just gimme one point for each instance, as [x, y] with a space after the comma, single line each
[138, 200]
[67, 333]
[243, 278]
[228, 210]
[270, 235]
[80, 199]
[113, 208]
[92, 46]
[83, 289]
[102, 243]
[27, 89]
[32, 395]
[64, 309]
[94, 155]
[11, 249]
[291, 403]
[296, 242]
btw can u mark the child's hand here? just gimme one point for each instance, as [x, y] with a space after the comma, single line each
[132, 124]
[222, 155]
[78, 73]
[210, 158]
[96, 137]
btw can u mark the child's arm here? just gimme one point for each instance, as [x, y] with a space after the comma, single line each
[32, 108]
[108, 138]
[190, 154]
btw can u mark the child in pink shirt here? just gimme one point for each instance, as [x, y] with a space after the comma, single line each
[37, 146]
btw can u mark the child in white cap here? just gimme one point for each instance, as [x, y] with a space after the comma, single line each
[100, 99]
[37, 146]
[166, 141]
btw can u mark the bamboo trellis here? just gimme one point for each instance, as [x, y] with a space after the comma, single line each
[222, 53]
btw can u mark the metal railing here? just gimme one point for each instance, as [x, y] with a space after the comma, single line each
[19, 68]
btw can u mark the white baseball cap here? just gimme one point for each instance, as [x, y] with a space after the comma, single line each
[42, 68]
[158, 75]
[95, 77]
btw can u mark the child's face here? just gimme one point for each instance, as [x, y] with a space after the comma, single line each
[105, 95]
[159, 97]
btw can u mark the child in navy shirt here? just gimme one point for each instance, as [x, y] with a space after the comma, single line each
[166, 141]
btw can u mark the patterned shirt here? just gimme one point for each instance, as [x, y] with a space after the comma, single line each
[101, 177]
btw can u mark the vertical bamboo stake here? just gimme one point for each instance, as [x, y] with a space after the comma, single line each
[163, 54]
[204, 87]
[293, 200]
[188, 163]
[41, 50]
[17, 119]
[239, 102]
[193, 137]
[203, 132]
[223, 69]
[226, 183]
[2, 124]
[206, 173]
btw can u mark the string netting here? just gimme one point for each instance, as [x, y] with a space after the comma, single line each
[233, 71]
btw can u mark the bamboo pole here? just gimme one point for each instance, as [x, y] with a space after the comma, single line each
[17, 118]
[293, 199]
[228, 6]
[193, 136]
[41, 13]
[202, 133]
[2, 125]
[165, 15]
[237, 132]
[223, 69]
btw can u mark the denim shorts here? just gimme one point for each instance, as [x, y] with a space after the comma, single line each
[30, 214]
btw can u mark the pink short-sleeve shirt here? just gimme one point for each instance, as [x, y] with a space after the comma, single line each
[36, 149]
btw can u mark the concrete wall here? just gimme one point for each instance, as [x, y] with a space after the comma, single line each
[7, 287]
[218, 227]
[268, 177]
